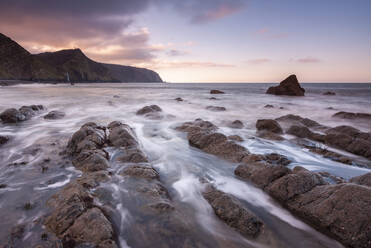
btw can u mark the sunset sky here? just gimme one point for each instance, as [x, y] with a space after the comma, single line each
[205, 41]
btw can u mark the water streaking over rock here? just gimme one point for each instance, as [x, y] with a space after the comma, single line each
[154, 172]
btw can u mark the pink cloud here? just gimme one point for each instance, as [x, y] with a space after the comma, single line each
[217, 13]
[308, 60]
[187, 64]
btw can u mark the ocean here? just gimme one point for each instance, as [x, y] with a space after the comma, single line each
[38, 143]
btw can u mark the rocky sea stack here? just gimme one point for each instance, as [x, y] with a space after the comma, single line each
[72, 65]
[289, 87]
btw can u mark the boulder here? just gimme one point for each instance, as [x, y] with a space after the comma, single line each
[299, 121]
[90, 161]
[219, 145]
[196, 126]
[141, 171]
[216, 108]
[236, 124]
[30, 111]
[294, 184]
[269, 135]
[91, 227]
[3, 139]
[12, 116]
[269, 106]
[235, 138]
[290, 87]
[54, 115]
[260, 173]
[133, 155]
[304, 132]
[230, 210]
[349, 139]
[329, 93]
[121, 135]
[149, 109]
[201, 134]
[352, 116]
[68, 204]
[362, 180]
[269, 125]
[178, 99]
[277, 159]
[342, 210]
[216, 92]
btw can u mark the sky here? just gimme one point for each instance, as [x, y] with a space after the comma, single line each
[205, 40]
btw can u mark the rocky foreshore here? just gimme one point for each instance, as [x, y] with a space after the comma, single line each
[116, 176]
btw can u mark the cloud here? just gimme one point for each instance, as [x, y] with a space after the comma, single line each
[102, 29]
[200, 12]
[259, 61]
[186, 64]
[308, 60]
[176, 53]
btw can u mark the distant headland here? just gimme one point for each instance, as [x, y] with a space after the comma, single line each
[71, 65]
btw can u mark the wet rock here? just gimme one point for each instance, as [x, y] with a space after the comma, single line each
[54, 115]
[141, 171]
[352, 116]
[260, 173]
[236, 124]
[149, 109]
[331, 178]
[230, 210]
[299, 121]
[134, 155]
[90, 161]
[362, 180]
[12, 116]
[342, 210]
[3, 186]
[28, 206]
[349, 139]
[294, 184]
[68, 204]
[269, 135]
[216, 92]
[89, 137]
[235, 138]
[30, 111]
[116, 96]
[155, 190]
[217, 144]
[201, 134]
[304, 132]
[178, 99]
[93, 179]
[213, 98]
[329, 93]
[3, 139]
[269, 106]
[330, 154]
[92, 226]
[269, 125]
[121, 135]
[348, 130]
[290, 87]
[277, 159]
[216, 108]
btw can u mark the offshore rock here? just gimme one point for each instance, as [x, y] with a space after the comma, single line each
[290, 87]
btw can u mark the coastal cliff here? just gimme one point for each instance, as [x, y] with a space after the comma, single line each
[16, 63]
